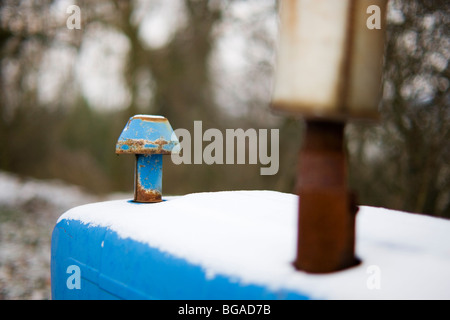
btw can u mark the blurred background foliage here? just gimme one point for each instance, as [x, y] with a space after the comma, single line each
[66, 95]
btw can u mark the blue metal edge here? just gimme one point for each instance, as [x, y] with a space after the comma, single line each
[112, 267]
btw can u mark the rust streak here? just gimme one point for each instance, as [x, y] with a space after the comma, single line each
[347, 57]
[143, 195]
[291, 9]
[137, 146]
[160, 142]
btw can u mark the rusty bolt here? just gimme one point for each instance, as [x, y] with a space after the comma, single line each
[149, 138]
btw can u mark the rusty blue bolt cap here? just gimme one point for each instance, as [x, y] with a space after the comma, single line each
[147, 134]
[149, 138]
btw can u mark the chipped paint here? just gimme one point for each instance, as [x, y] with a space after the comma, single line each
[141, 146]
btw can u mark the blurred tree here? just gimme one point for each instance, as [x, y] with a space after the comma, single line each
[404, 162]
[23, 37]
[77, 143]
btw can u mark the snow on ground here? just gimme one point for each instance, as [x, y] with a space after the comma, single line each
[29, 210]
[251, 236]
[16, 191]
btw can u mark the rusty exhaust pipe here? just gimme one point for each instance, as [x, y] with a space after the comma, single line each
[327, 209]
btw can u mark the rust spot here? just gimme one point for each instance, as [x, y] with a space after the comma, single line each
[141, 146]
[143, 195]
[291, 11]
[160, 142]
[347, 57]
[150, 118]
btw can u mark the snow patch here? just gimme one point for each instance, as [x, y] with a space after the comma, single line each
[15, 191]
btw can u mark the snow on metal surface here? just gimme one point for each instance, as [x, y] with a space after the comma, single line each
[251, 236]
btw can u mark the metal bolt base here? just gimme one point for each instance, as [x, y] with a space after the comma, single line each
[148, 178]
[326, 231]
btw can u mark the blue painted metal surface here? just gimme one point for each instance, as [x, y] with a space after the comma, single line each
[146, 134]
[111, 267]
[149, 137]
[149, 172]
